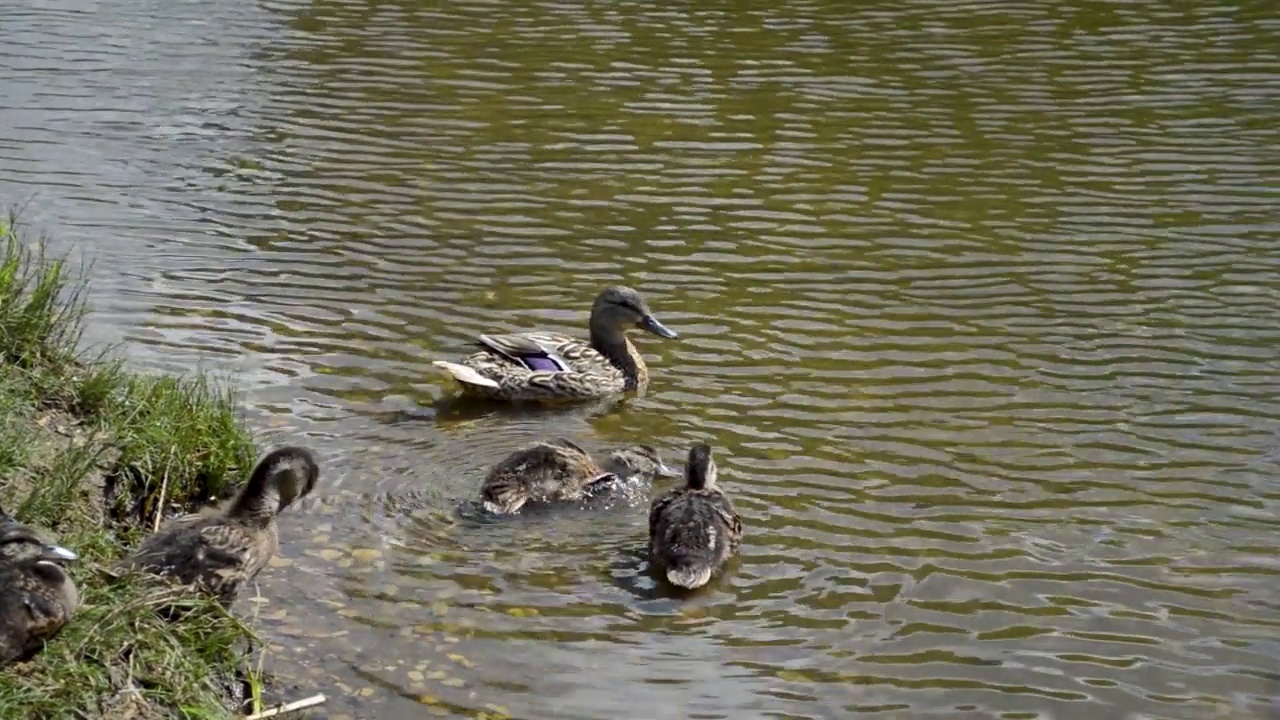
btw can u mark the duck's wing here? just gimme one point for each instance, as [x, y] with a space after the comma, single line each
[157, 550]
[657, 509]
[534, 351]
[731, 519]
[229, 548]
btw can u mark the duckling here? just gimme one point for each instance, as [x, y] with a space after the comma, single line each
[693, 530]
[19, 541]
[559, 470]
[546, 366]
[220, 551]
[37, 597]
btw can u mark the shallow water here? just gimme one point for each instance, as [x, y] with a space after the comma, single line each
[977, 303]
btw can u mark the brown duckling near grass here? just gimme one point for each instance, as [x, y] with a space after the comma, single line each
[220, 551]
[37, 597]
[562, 471]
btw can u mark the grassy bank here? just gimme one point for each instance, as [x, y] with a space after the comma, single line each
[91, 453]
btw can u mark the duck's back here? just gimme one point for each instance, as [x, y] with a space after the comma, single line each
[209, 550]
[572, 367]
[692, 532]
[544, 468]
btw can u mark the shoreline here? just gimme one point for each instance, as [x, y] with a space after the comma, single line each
[94, 455]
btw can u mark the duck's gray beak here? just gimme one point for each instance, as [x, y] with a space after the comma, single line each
[57, 552]
[666, 471]
[651, 324]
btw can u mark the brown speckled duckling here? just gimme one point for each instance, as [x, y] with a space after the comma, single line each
[37, 597]
[222, 550]
[559, 471]
[693, 530]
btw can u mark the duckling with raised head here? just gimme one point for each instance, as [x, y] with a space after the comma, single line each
[547, 366]
[37, 597]
[561, 471]
[693, 530]
[220, 551]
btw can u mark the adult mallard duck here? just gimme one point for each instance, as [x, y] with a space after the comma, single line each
[37, 597]
[546, 366]
[560, 471]
[220, 551]
[693, 530]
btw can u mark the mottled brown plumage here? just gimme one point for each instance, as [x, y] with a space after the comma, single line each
[693, 530]
[547, 366]
[220, 551]
[37, 597]
[560, 471]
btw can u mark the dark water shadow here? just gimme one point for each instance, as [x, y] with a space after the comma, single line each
[457, 409]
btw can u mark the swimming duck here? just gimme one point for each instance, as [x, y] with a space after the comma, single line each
[693, 530]
[222, 550]
[546, 366]
[37, 597]
[561, 470]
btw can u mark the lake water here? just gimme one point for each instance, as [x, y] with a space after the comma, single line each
[978, 303]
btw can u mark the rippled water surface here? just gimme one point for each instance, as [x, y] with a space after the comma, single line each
[978, 304]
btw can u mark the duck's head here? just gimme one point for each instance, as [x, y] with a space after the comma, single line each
[700, 470]
[639, 460]
[21, 542]
[280, 478]
[619, 308]
[292, 472]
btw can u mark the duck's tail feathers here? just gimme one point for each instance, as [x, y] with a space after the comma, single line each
[464, 374]
[689, 576]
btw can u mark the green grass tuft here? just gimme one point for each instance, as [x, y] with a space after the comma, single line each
[177, 432]
[88, 450]
[41, 313]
